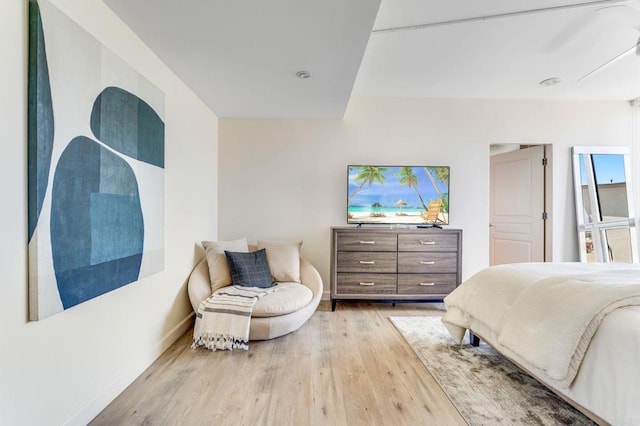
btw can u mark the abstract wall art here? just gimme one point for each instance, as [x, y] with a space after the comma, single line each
[95, 167]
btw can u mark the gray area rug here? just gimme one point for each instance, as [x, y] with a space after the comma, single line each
[485, 387]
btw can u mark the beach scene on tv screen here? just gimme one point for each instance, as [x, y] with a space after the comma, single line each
[398, 195]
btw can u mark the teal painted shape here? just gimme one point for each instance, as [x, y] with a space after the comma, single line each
[116, 176]
[40, 118]
[110, 214]
[129, 125]
[97, 226]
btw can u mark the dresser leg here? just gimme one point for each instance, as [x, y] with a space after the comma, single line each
[333, 305]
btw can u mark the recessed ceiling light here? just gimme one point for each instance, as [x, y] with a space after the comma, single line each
[551, 81]
[303, 74]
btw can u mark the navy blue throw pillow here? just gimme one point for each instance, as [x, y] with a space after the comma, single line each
[249, 269]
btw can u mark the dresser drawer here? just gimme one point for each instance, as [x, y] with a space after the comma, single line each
[425, 262]
[353, 261]
[367, 241]
[426, 283]
[428, 242]
[366, 284]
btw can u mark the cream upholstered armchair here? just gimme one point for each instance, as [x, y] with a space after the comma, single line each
[276, 314]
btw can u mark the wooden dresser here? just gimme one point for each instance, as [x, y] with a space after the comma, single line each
[394, 264]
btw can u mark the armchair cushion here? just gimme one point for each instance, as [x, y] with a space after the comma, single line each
[286, 298]
[219, 273]
[249, 269]
[283, 258]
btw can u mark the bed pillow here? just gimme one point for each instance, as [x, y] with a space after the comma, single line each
[283, 258]
[218, 268]
[249, 269]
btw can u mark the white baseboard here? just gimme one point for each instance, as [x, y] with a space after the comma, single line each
[131, 372]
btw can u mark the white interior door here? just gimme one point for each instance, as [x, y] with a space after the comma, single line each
[517, 206]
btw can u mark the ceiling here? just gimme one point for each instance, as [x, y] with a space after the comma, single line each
[241, 57]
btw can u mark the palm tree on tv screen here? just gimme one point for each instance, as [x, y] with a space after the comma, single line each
[438, 174]
[407, 177]
[368, 175]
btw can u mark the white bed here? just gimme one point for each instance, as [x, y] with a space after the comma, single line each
[573, 326]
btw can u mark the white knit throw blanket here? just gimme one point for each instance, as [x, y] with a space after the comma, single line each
[223, 320]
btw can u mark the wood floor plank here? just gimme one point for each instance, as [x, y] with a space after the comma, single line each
[348, 367]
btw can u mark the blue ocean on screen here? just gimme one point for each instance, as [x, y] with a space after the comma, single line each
[389, 209]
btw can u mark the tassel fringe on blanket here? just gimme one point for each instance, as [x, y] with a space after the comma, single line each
[222, 342]
[223, 320]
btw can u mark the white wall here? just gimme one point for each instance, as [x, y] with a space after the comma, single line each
[286, 179]
[66, 368]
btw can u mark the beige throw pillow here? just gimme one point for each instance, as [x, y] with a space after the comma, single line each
[283, 258]
[218, 268]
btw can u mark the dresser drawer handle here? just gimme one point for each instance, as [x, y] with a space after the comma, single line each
[427, 284]
[368, 284]
[367, 242]
[367, 262]
[428, 243]
[427, 262]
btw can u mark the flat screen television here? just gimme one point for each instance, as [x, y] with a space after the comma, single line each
[408, 195]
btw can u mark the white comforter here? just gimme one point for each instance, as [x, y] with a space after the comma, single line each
[543, 315]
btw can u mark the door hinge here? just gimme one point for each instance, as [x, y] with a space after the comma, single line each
[544, 215]
[544, 161]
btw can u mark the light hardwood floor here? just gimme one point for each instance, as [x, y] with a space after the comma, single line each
[348, 367]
